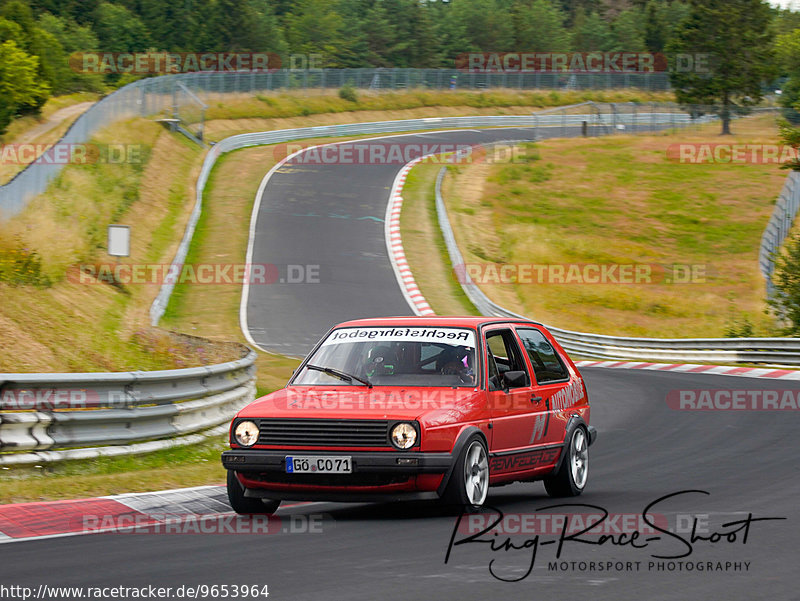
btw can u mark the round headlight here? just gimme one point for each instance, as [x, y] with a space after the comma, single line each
[404, 436]
[246, 433]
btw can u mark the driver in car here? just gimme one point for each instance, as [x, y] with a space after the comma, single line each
[456, 361]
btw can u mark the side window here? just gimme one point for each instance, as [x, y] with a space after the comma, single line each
[547, 365]
[504, 353]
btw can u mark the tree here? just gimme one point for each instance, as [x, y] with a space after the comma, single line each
[786, 279]
[592, 33]
[173, 26]
[119, 30]
[421, 29]
[655, 34]
[72, 38]
[787, 48]
[230, 25]
[81, 11]
[383, 42]
[352, 49]
[736, 39]
[21, 14]
[788, 52]
[786, 21]
[539, 27]
[661, 20]
[315, 27]
[627, 32]
[20, 87]
[486, 24]
[450, 33]
[11, 31]
[20, 25]
[52, 59]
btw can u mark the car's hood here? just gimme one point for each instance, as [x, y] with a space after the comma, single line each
[431, 405]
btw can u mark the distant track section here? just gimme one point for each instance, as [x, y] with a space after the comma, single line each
[322, 227]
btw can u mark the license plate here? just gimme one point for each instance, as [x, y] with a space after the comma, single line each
[318, 465]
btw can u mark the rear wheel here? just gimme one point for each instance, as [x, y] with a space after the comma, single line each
[469, 482]
[570, 478]
[246, 505]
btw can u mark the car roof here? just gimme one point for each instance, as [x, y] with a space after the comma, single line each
[468, 321]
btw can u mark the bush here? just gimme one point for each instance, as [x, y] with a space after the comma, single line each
[348, 93]
[786, 301]
[790, 136]
[739, 328]
[21, 266]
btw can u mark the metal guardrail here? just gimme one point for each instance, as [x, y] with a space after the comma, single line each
[52, 417]
[784, 351]
[562, 117]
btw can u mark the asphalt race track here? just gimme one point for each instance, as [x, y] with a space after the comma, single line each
[745, 460]
[332, 216]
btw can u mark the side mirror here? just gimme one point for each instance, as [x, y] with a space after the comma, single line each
[515, 379]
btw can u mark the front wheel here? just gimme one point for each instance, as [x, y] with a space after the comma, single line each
[246, 505]
[570, 478]
[469, 482]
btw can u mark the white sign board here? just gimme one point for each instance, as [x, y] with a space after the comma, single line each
[119, 240]
[454, 336]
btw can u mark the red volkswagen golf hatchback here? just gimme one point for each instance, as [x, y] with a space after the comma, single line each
[415, 408]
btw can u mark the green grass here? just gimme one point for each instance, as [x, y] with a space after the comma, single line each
[424, 244]
[192, 465]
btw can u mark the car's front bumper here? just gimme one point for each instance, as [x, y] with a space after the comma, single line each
[410, 463]
[376, 475]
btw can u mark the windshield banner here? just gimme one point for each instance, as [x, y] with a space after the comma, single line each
[454, 336]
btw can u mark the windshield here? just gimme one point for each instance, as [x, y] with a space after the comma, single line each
[414, 356]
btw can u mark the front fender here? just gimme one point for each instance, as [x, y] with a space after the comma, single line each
[459, 445]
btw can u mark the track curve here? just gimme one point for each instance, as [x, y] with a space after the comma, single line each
[332, 216]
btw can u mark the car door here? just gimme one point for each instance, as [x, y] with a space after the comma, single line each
[512, 406]
[553, 385]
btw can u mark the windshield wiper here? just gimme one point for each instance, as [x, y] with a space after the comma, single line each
[339, 374]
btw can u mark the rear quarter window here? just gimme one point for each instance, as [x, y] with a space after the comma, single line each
[546, 363]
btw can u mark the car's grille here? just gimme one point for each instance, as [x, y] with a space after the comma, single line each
[324, 432]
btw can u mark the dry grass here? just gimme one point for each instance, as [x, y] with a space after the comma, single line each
[618, 200]
[74, 326]
[18, 127]
[291, 104]
[44, 129]
[221, 237]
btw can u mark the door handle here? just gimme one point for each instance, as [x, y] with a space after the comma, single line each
[535, 398]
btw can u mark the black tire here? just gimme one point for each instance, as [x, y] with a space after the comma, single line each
[457, 492]
[570, 479]
[246, 505]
